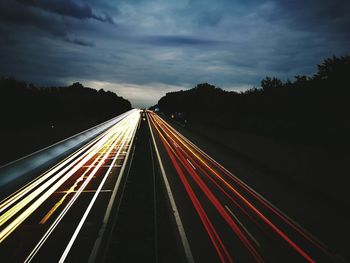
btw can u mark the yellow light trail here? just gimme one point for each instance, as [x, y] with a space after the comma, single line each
[25, 201]
[128, 138]
[80, 190]
[37, 191]
[83, 176]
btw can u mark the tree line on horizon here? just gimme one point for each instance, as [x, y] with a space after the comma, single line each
[25, 105]
[311, 110]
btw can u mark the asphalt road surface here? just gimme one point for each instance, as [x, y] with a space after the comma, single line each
[58, 215]
[225, 219]
[143, 192]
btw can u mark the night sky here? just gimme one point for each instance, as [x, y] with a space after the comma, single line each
[143, 48]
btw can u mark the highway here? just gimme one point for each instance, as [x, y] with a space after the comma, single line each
[223, 218]
[57, 216]
[142, 191]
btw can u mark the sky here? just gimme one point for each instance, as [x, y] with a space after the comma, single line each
[142, 49]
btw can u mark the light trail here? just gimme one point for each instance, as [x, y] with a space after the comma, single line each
[221, 250]
[214, 237]
[303, 232]
[8, 201]
[239, 195]
[179, 224]
[204, 158]
[72, 188]
[30, 197]
[197, 163]
[121, 140]
[128, 137]
[46, 189]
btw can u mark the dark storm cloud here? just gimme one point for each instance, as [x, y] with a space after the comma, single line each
[329, 17]
[67, 8]
[80, 42]
[12, 13]
[162, 45]
[177, 40]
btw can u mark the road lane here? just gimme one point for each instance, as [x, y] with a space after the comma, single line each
[64, 198]
[60, 215]
[224, 204]
[21, 171]
[141, 228]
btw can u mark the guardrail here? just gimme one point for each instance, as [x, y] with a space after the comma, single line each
[25, 166]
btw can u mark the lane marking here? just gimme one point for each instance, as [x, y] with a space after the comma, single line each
[76, 156]
[194, 168]
[65, 210]
[222, 252]
[220, 248]
[241, 224]
[154, 205]
[184, 240]
[98, 241]
[50, 189]
[84, 191]
[82, 221]
[113, 121]
[265, 219]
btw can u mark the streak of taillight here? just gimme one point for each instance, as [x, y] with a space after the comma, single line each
[218, 206]
[284, 218]
[217, 242]
[254, 209]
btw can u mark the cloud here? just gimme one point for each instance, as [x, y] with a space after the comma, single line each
[321, 16]
[159, 45]
[178, 40]
[80, 42]
[67, 8]
[25, 18]
[13, 14]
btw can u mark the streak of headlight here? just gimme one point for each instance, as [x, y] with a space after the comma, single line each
[16, 208]
[82, 221]
[31, 185]
[78, 192]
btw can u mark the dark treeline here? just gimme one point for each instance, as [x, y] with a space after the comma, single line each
[310, 110]
[23, 104]
[35, 117]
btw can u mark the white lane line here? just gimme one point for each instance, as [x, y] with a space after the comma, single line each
[49, 191]
[5, 203]
[241, 224]
[84, 191]
[27, 188]
[184, 240]
[155, 221]
[114, 120]
[82, 221]
[51, 175]
[247, 186]
[96, 248]
[194, 168]
[65, 210]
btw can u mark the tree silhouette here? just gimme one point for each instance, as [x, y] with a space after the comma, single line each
[310, 110]
[23, 104]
